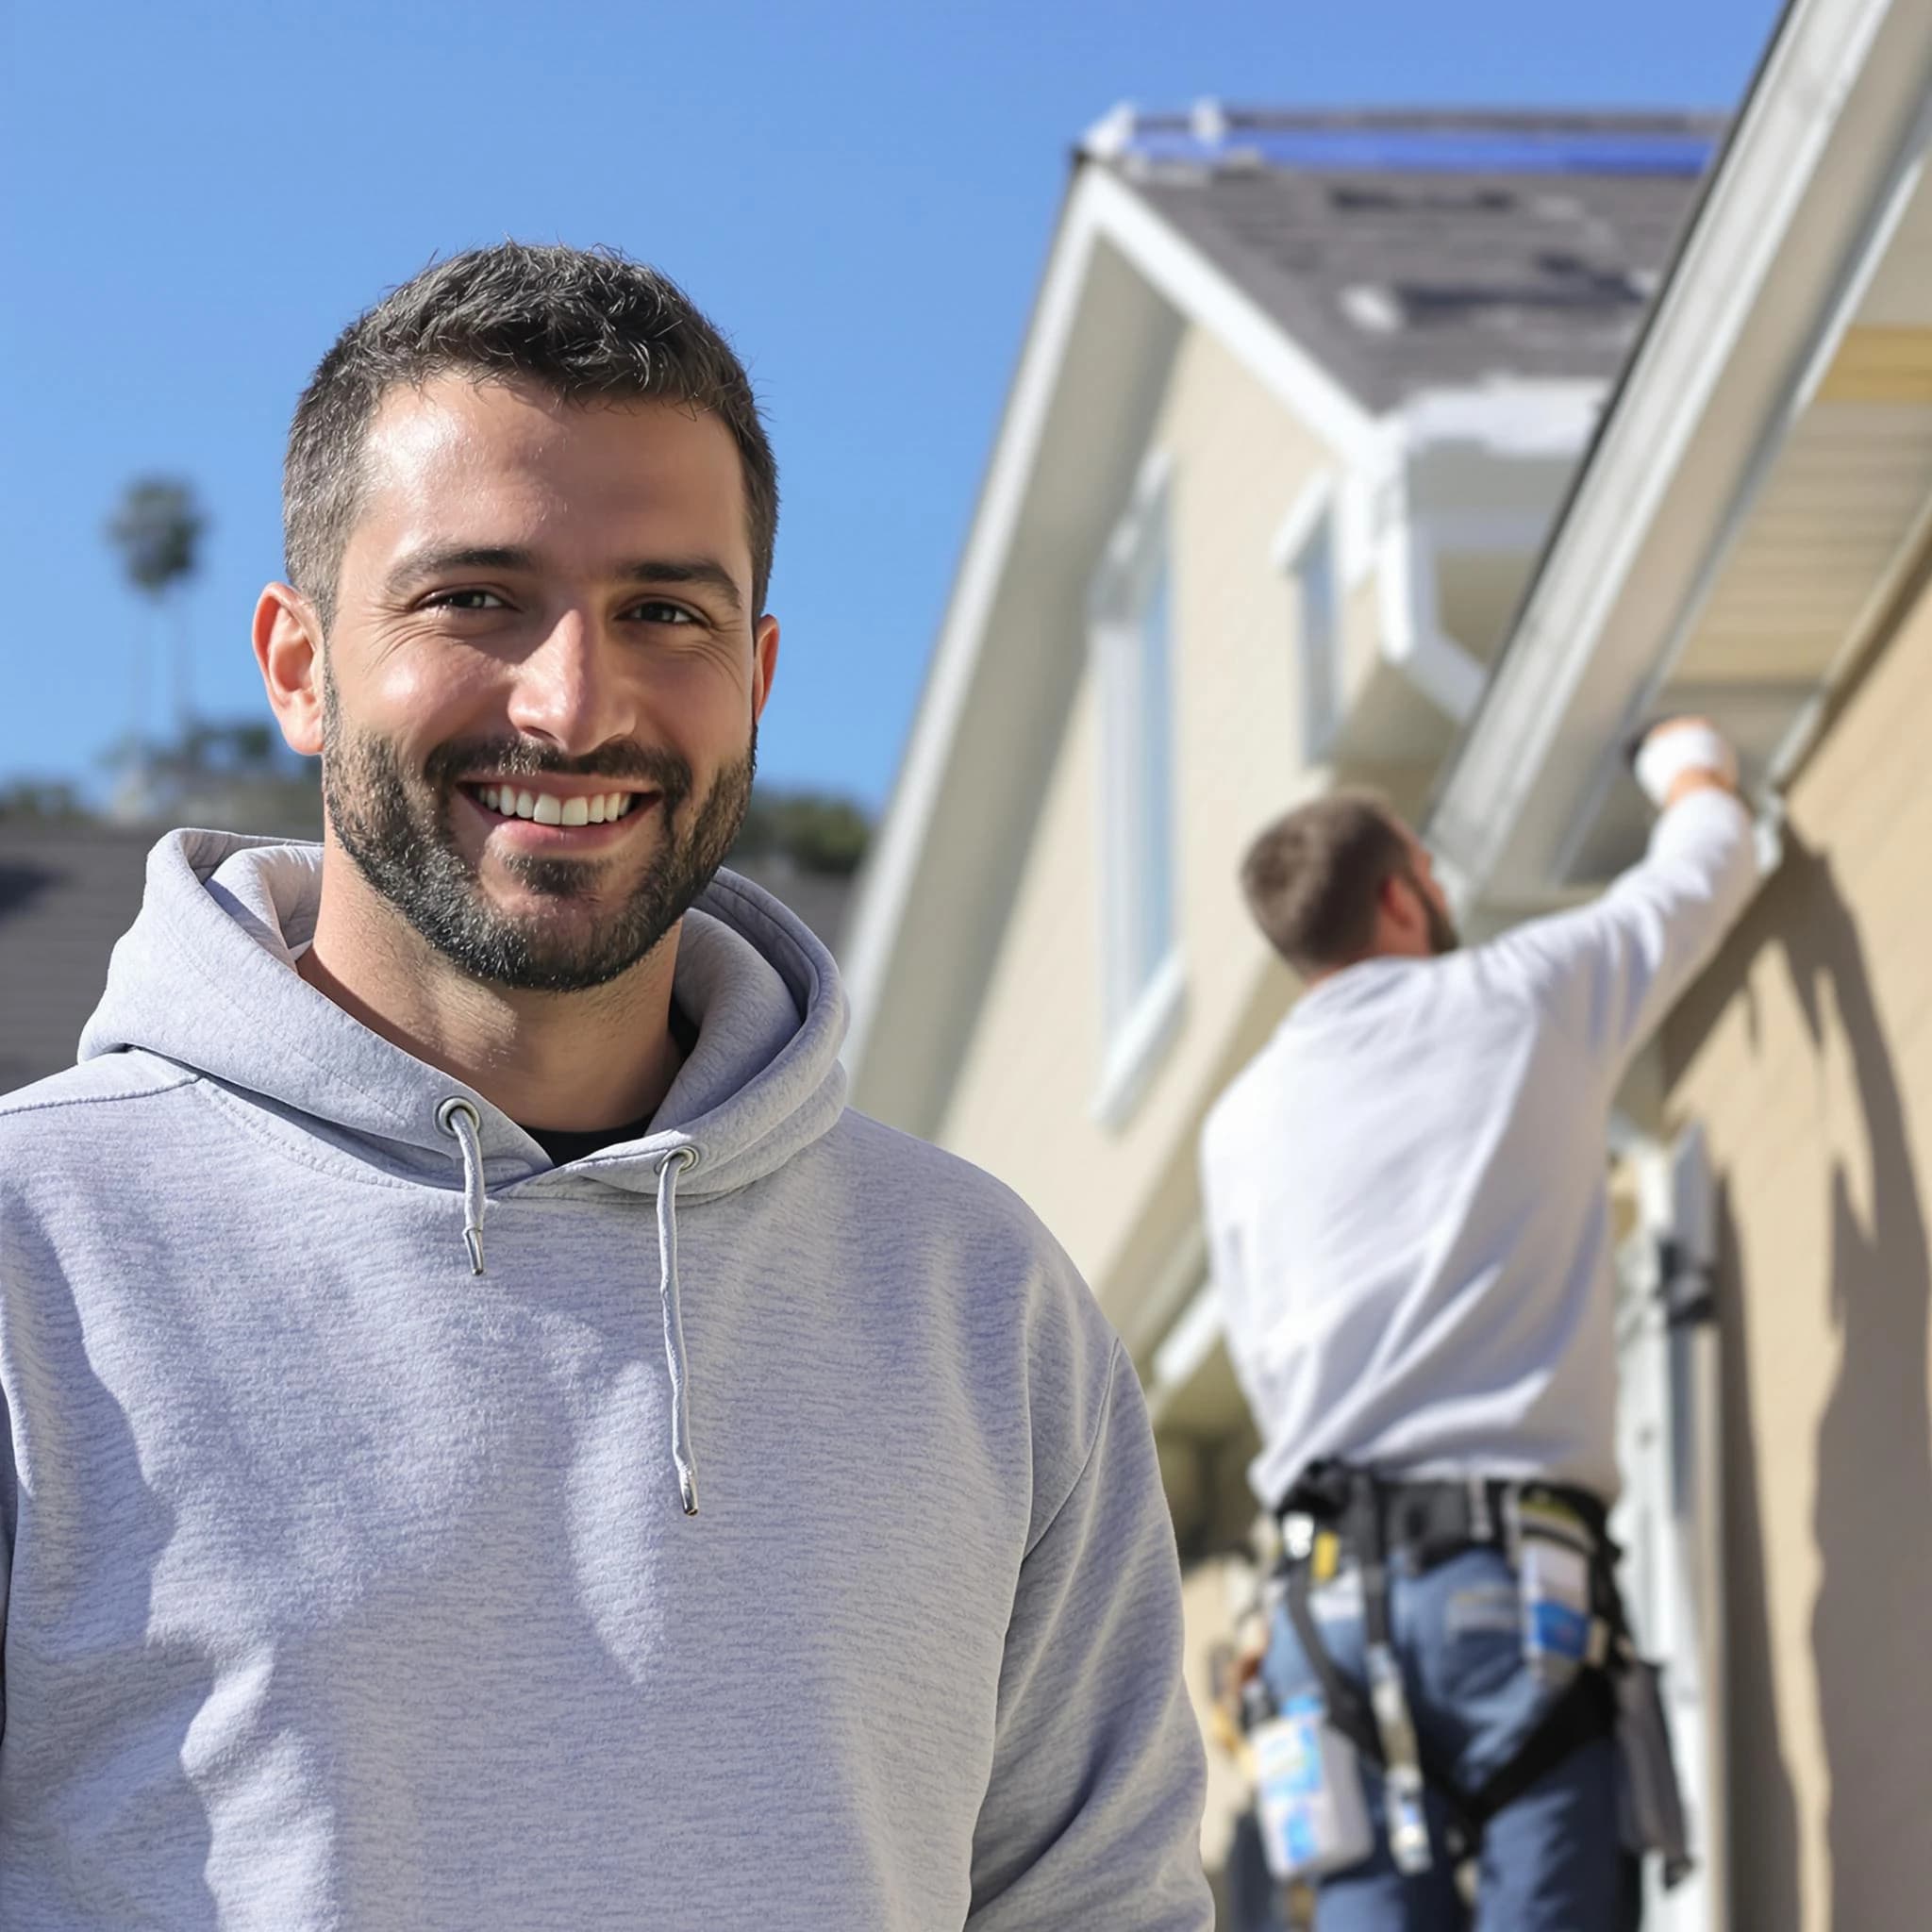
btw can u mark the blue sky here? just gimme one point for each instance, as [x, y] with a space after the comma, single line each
[200, 196]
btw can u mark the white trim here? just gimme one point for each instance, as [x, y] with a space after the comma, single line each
[1146, 503]
[1507, 416]
[1313, 519]
[1207, 296]
[1349, 497]
[1313, 502]
[1140, 1043]
[1412, 641]
[1138, 557]
[1670, 1518]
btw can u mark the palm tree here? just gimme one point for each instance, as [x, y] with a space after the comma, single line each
[157, 530]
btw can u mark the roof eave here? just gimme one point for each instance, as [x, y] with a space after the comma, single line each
[1831, 135]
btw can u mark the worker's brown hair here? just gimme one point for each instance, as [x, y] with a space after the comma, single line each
[1313, 879]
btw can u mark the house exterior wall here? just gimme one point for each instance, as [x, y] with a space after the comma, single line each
[1807, 1053]
[1024, 1106]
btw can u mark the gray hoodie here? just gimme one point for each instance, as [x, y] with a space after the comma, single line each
[348, 1587]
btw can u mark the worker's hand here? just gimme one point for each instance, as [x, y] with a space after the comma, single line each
[1682, 755]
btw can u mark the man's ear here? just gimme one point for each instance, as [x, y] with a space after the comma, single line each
[288, 647]
[764, 663]
[1399, 902]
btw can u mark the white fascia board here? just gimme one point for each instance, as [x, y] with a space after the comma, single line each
[1515, 417]
[1742, 327]
[1101, 208]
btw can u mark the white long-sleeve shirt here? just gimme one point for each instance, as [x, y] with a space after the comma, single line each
[1405, 1194]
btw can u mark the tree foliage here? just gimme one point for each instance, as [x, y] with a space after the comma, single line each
[817, 831]
[41, 801]
[235, 773]
[158, 529]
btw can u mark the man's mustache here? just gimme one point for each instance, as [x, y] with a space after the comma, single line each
[648, 766]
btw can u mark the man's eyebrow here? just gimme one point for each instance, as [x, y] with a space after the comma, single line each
[440, 560]
[700, 571]
[436, 560]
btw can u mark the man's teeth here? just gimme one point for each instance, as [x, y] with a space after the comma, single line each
[548, 809]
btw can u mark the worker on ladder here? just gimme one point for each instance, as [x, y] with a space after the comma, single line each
[1410, 1231]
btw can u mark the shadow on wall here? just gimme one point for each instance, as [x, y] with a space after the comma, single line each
[1873, 1516]
[1760, 1807]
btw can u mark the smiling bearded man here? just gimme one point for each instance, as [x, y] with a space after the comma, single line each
[397, 829]
[440, 1214]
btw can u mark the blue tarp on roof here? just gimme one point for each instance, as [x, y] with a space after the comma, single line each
[1437, 151]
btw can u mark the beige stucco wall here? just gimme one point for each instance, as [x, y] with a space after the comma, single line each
[1120, 1199]
[1807, 1052]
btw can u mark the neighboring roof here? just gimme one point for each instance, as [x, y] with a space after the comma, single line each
[69, 890]
[819, 898]
[1408, 251]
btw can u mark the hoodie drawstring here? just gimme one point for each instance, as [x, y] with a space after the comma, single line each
[459, 1119]
[669, 1169]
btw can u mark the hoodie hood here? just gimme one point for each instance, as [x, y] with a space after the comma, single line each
[206, 978]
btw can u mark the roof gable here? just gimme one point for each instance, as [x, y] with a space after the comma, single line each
[1418, 250]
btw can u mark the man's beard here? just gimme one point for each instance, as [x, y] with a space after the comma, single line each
[396, 829]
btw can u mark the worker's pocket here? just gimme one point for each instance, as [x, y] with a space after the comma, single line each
[1467, 1635]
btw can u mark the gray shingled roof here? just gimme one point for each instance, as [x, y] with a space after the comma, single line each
[69, 890]
[1408, 251]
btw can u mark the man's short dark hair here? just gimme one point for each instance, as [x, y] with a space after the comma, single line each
[588, 323]
[1313, 879]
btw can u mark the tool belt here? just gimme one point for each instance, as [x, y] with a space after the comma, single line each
[1368, 1520]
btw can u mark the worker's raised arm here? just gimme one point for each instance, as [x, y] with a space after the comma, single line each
[1609, 971]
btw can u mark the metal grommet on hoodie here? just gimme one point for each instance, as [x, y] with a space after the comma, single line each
[459, 1117]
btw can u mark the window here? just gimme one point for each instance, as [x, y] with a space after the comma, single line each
[1132, 620]
[1305, 551]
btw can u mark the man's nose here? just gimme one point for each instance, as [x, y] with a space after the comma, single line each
[569, 690]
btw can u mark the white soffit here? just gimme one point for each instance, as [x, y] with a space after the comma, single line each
[1101, 211]
[1819, 168]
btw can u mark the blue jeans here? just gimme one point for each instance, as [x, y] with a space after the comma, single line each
[1550, 1862]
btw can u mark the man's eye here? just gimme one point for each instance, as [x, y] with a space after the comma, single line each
[655, 610]
[466, 600]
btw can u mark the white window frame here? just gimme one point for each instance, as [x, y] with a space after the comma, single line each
[1312, 525]
[1141, 1010]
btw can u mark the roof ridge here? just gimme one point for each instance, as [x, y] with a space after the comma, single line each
[1387, 116]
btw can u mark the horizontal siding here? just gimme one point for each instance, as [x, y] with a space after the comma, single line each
[1022, 1107]
[1807, 1052]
